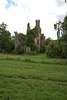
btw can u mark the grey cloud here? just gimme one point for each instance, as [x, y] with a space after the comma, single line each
[60, 2]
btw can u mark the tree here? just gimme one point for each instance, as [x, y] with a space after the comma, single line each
[58, 28]
[3, 26]
[5, 39]
[64, 24]
[61, 27]
[62, 41]
[63, 45]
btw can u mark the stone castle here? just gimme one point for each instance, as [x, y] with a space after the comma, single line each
[39, 40]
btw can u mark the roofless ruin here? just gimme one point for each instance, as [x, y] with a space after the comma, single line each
[38, 40]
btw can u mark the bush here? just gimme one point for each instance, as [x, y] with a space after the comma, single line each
[19, 49]
[32, 53]
[53, 49]
[63, 50]
[43, 48]
[34, 48]
[2, 51]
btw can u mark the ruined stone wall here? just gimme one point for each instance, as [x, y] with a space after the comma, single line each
[39, 40]
[16, 39]
[19, 39]
[38, 26]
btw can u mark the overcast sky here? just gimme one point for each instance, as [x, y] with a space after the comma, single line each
[17, 13]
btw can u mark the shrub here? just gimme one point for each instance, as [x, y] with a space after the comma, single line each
[43, 48]
[34, 48]
[19, 49]
[63, 50]
[2, 51]
[32, 53]
[53, 49]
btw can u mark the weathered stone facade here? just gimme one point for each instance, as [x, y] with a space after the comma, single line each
[16, 39]
[39, 40]
[19, 39]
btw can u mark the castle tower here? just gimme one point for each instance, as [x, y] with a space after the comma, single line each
[39, 40]
[38, 26]
[38, 23]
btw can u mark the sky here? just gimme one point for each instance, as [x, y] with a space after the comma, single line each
[17, 13]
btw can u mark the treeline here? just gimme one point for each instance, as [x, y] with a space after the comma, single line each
[52, 48]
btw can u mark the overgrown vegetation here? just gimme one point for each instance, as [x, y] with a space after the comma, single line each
[19, 49]
[30, 38]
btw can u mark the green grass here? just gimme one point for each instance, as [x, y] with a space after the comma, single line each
[25, 77]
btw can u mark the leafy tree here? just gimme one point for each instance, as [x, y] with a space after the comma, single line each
[64, 24]
[58, 28]
[3, 26]
[64, 38]
[5, 39]
[63, 45]
[62, 41]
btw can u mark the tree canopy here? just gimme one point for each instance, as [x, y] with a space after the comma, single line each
[6, 44]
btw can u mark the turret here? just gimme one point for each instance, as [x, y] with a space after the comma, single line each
[38, 26]
[38, 23]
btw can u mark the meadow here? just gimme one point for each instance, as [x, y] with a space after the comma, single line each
[32, 77]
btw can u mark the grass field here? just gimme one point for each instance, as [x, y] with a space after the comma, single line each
[35, 77]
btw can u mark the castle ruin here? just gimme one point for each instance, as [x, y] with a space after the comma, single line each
[39, 40]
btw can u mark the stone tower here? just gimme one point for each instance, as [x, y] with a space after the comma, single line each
[38, 23]
[38, 26]
[39, 40]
